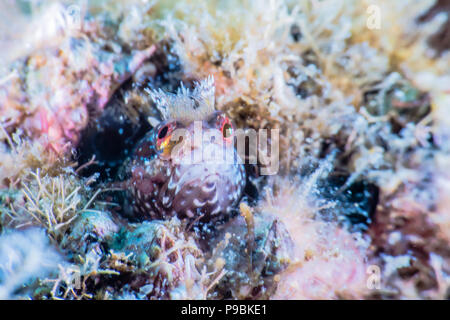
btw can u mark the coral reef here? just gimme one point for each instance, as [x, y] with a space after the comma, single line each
[360, 94]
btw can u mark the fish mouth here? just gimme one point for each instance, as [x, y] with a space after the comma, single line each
[198, 175]
[202, 189]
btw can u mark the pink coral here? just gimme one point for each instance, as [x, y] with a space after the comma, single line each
[52, 93]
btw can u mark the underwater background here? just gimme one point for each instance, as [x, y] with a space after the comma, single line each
[358, 208]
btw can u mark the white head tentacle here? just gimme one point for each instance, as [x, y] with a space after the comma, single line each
[186, 105]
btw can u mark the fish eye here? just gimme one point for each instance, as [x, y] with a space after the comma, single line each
[227, 130]
[163, 136]
[163, 132]
[226, 127]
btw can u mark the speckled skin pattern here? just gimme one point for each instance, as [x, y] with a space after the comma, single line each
[162, 185]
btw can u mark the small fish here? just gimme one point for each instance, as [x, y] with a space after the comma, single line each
[169, 173]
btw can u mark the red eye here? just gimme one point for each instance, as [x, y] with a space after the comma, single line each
[164, 134]
[226, 127]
